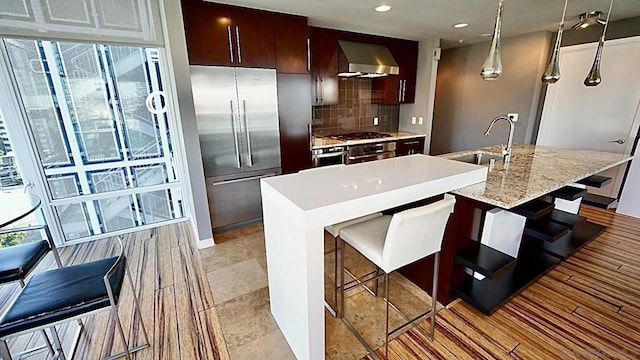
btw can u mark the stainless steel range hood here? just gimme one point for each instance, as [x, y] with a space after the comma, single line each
[365, 60]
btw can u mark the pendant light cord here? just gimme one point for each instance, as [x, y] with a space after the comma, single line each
[564, 12]
[606, 25]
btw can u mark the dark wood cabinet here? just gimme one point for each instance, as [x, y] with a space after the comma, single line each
[207, 29]
[254, 38]
[324, 66]
[228, 36]
[293, 53]
[400, 89]
[392, 89]
[295, 121]
[410, 146]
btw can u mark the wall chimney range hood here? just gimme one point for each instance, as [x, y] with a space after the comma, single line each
[365, 60]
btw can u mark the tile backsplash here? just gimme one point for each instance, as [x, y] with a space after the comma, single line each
[355, 110]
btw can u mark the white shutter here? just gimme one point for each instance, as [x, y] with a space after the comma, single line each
[133, 22]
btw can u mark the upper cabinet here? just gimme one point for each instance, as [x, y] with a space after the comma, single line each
[324, 66]
[293, 53]
[400, 89]
[392, 89]
[228, 36]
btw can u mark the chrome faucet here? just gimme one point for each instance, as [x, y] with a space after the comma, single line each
[506, 149]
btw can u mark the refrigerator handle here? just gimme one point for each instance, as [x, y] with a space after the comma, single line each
[235, 137]
[309, 130]
[230, 41]
[246, 131]
[238, 44]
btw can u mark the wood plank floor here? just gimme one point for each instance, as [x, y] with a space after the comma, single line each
[176, 300]
[586, 307]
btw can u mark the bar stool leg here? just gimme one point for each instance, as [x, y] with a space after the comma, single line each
[342, 305]
[57, 343]
[114, 312]
[434, 294]
[4, 350]
[375, 282]
[386, 330]
[335, 274]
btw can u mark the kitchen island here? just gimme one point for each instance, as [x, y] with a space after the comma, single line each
[535, 171]
[495, 244]
[297, 207]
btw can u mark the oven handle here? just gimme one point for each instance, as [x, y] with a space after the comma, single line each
[375, 152]
[376, 155]
[333, 154]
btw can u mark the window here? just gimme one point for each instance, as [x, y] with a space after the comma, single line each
[108, 160]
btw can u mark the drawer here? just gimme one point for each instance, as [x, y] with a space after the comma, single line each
[410, 146]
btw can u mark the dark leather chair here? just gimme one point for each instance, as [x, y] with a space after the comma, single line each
[17, 262]
[70, 293]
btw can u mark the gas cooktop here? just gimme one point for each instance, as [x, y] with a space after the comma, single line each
[360, 136]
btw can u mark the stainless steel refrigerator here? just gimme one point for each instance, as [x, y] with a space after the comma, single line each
[237, 117]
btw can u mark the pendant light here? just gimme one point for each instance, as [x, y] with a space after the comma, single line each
[492, 67]
[593, 78]
[552, 75]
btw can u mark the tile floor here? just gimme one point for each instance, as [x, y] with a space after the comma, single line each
[237, 273]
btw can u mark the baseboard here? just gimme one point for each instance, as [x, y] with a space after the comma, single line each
[202, 244]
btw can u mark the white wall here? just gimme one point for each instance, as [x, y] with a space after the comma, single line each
[629, 203]
[425, 92]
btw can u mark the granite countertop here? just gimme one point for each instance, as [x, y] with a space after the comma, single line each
[534, 171]
[320, 141]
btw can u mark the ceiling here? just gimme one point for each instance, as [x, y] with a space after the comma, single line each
[423, 19]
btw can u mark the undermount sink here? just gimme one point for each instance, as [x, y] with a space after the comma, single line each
[478, 158]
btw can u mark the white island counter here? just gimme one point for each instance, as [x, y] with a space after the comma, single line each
[296, 208]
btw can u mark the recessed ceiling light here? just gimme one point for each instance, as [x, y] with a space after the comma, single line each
[382, 8]
[460, 25]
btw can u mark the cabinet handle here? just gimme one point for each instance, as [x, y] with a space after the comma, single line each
[317, 81]
[412, 142]
[238, 44]
[308, 54]
[310, 137]
[404, 91]
[400, 91]
[322, 89]
[230, 42]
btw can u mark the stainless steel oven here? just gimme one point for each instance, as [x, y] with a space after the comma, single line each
[369, 152]
[328, 156]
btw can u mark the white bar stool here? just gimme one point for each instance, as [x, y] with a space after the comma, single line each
[391, 242]
[334, 230]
